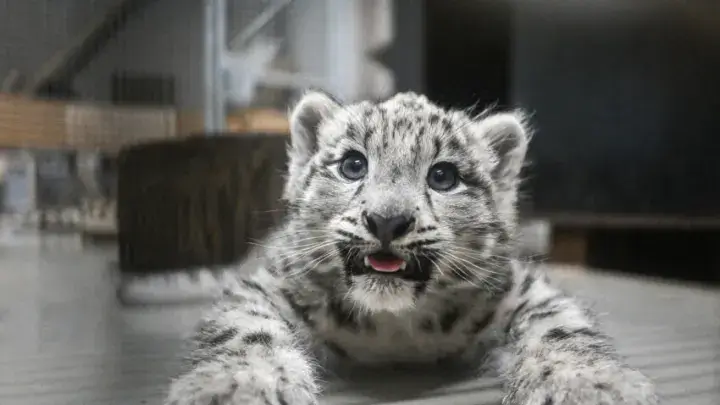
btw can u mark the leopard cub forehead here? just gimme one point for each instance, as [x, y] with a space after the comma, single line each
[405, 111]
[406, 124]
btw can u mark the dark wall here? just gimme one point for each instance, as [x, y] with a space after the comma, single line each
[468, 52]
[627, 107]
[407, 58]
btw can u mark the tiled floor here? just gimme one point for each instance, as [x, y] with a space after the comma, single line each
[64, 340]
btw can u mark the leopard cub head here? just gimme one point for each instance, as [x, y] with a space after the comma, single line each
[404, 196]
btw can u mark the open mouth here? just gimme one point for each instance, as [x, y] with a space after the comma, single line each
[385, 262]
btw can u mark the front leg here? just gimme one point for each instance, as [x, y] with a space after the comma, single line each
[248, 350]
[560, 357]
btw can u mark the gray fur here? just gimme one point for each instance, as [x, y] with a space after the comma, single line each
[475, 302]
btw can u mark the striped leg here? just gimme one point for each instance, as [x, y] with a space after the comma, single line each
[247, 351]
[560, 357]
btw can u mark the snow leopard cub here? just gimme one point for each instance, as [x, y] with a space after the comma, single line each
[397, 249]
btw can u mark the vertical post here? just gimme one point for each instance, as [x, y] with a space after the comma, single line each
[215, 34]
[343, 54]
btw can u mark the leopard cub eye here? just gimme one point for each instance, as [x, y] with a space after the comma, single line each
[353, 166]
[443, 176]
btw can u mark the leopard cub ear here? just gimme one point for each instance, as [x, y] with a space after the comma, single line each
[305, 119]
[508, 134]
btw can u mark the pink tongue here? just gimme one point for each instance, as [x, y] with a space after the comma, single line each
[386, 265]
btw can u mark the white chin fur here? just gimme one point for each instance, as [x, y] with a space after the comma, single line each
[369, 295]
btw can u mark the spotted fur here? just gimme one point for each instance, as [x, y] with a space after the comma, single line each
[305, 300]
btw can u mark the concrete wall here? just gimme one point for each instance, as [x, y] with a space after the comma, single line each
[164, 38]
[31, 31]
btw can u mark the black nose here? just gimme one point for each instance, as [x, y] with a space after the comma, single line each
[388, 229]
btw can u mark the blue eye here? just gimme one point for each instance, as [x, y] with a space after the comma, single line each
[353, 166]
[443, 176]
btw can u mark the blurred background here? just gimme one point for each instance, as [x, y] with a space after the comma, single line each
[142, 145]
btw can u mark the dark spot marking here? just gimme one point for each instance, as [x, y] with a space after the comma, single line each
[430, 204]
[300, 310]
[396, 175]
[438, 148]
[359, 190]
[350, 220]
[474, 180]
[527, 283]
[434, 119]
[366, 140]
[480, 325]
[251, 285]
[536, 316]
[281, 397]
[426, 228]
[420, 243]
[547, 371]
[455, 146]
[342, 316]
[602, 386]
[447, 321]
[353, 132]
[348, 279]
[348, 235]
[447, 125]
[549, 401]
[309, 177]
[259, 314]
[420, 288]
[427, 325]
[274, 270]
[211, 334]
[223, 337]
[559, 333]
[421, 131]
[514, 315]
[260, 337]
[545, 303]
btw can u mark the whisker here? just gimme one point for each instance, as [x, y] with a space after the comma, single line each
[309, 266]
[299, 254]
[469, 266]
[458, 270]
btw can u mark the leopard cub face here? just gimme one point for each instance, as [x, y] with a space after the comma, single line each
[407, 197]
